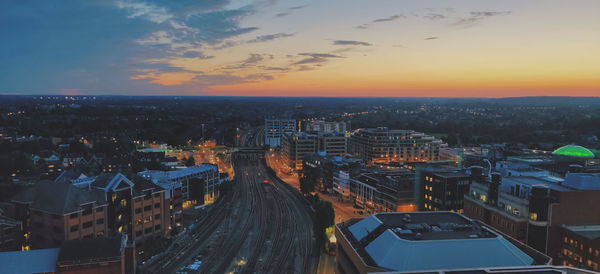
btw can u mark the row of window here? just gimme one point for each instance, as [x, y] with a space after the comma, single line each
[85, 225]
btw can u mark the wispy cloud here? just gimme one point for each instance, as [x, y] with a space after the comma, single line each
[431, 38]
[315, 58]
[144, 10]
[269, 37]
[350, 43]
[434, 16]
[476, 16]
[289, 11]
[380, 20]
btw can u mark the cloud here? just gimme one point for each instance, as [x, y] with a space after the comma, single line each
[380, 20]
[489, 13]
[269, 37]
[434, 16]
[431, 38]
[289, 11]
[252, 60]
[477, 16]
[387, 19]
[147, 11]
[196, 55]
[315, 58]
[350, 43]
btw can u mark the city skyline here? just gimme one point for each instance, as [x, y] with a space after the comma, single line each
[304, 48]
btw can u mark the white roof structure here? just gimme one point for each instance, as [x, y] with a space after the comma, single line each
[433, 240]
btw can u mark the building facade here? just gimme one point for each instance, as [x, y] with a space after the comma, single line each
[384, 145]
[276, 128]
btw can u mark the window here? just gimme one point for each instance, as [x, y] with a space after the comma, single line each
[148, 230]
[88, 224]
[157, 227]
[99, 209]
[99, 233]
[74, 215]
[157, 216]
[100, 221]
[157, 205]
[146, 208]
[156, 195]
[74, 228]
[87, 211]
[138, 210]
[138, 233]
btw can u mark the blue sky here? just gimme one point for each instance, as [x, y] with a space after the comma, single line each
[317, 48]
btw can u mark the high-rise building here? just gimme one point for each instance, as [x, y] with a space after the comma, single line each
[384, 145]
[426, 241]
[324, 126]
[276, 128]
[297, 145]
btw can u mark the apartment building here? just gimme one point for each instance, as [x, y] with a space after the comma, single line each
[384, 145]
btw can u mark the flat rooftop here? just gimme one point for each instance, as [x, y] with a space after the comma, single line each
[26, 262]
[420, 241]
[589, 231]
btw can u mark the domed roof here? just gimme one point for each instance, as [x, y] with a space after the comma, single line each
[574, 151]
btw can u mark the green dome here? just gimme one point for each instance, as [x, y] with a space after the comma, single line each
[574, 151]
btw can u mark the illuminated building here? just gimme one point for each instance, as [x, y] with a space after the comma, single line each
[426, 241]
[444, 189]
[384, 190]
[199, 184]
[298, 145]
[580, 246]
[324, 126]
[384, 145]
[276, 128]
[532, 209]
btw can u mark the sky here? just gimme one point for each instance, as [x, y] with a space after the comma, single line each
[353, 48]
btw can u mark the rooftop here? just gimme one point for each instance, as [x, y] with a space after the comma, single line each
[32, 261]
[86, 250]
[574, 151]
[421, 241]
[591, 232]
[65, 199]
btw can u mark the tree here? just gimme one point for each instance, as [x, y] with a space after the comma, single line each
[324, 218]
[190, 161]
[306, 185]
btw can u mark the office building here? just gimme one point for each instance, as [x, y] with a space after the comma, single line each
[324, 170]
[297, 145]
[324, 126]
[444, 189]
[276, 128]
[426, 241]
[384, 191]
[384, 145]
[580, 246]
[532, 209]
[199, 184]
